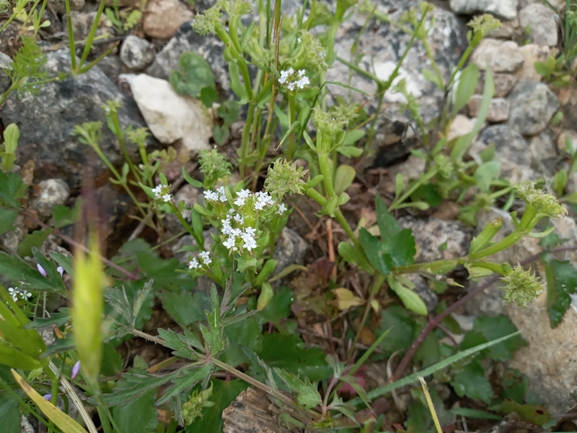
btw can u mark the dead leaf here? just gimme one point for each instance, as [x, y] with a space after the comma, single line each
[367, 336]
[346, 299]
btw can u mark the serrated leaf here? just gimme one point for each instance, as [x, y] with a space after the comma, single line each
[471, 383]
[561, 279]
[372, 248]
[352, 255]
[64, 216]
[33, 240]
[134, 384]
[307, 394]
[186, 382]
[11, 189]
[288, 352]
[279, 307]
[185, 308]
[398, 243]
[245, 333]
[138, 415]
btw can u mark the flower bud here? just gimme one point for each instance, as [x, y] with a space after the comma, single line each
[521, 286]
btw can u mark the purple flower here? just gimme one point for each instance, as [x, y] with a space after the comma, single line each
[47, 397]
[75, 369]
[41, 269]
[60, 270]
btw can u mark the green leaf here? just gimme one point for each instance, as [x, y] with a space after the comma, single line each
[64, 216]
[410, 299]
[561, 279]
[228, 112]
[192, 75]
[352, 255]
[186, 382]
[185, 308]
[134, 384]
[474, 413]
[493, 328]
[351, 137]
[17, 270]
[245, 333]
[7, 218]
[397, 243]
[223, 394]
[372, 248]
[533, 413]
[344, 178]
[471, 382]
[11, 137]
[402, 326]
[463, 142]
[289, 353]
[307, 394]
[559, 181]
[9, 414]
[208, 96]
[466, 87]
[12, 188]
[515, 385]
[432, 77]
[279, 306]
[486, 173]
[220, 133]
[138, 415]
[419, 419]
[33, 240]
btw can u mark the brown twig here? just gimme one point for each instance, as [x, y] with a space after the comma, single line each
[433, 323]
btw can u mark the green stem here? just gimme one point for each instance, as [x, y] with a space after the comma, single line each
[178, 213]
[245, 141]
[292, 117]
[118, 132]
[421, 181]
[325, 168]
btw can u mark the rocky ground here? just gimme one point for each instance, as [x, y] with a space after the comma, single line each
[528, 143]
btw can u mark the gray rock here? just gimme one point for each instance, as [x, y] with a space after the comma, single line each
[543, 152]
[10, 240]
[504, 83]
[82, 23]
[186, 39]
[532, 53]
[136, 53]
[52, 192]
[290, 249]
[541, 23]
[112, 67]
[506, 9]
[532, 106]
[438, 239]
[507, 30]
[5, 64]
[25, 426]
[558, 4]
[163, 18]
[500, 56]
[46, 122]
[511, 150]
[498, 109]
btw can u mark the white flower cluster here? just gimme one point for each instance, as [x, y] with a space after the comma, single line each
[17, 293]
[246, 236]
[159, 192]
[205, 259]
[281, 209]
[292, 81]
[219, 195]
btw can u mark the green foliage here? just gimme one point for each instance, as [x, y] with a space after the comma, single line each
[471, 382]
[561, 277]
[8, 155]
[193, 75]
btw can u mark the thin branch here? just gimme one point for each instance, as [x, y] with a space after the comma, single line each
[433, 323]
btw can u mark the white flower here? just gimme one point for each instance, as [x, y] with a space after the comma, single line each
[293, 82]
[241, 197]
[211, 195]
[157, 190]
[230, 243]
[14, 293]
[193, 264]
[205, 257]
[263, 199]
[167, 197]
[248, 238]
[18, 293]
[239, 218]
[222, 193]
[281, 209]
[226, 228]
